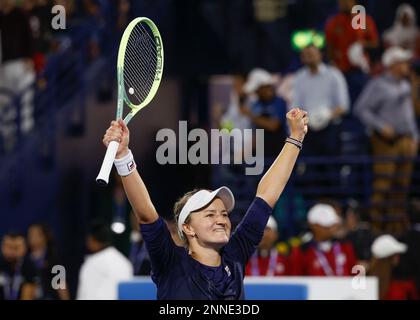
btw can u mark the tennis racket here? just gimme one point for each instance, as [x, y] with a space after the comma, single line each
[139, 71]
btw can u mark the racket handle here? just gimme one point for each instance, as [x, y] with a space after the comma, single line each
[103, 176]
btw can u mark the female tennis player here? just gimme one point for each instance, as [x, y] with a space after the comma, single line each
[211, 265]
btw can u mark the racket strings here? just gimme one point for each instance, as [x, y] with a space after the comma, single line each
[149, 51]
[143, 62]
[144, 34]
[147, 33]
[136, 88]
[140, 89]
[132, 81]
[148, 44]
[140, 63]
[136, 76]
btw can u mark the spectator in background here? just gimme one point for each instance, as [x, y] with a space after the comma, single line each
[322, 254]
[322, 91]
[40, 16]
[359, 233]
[228, 116]
[268, 112]
[16, 71]
[386, 252]
[233, 117]
[16, 46]
[268, 260]
[404, 33]
[43, 255]
[104, 268]
[341, 35]
[409, 267]
[343, 39]
[16, 272]
[123, 16]
[386, 108]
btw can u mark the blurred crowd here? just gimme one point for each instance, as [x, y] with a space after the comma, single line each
[362, 84]
[30, 36]
[339, 244]
[31, 267]
[347, 92]
[44, 64]
[26, 263]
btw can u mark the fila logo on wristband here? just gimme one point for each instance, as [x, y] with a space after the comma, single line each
[125, 165]
[131, 165]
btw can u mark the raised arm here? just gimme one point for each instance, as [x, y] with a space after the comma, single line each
[134, 186]
[273, 182]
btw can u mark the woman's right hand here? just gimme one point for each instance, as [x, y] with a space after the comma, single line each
[119, 132]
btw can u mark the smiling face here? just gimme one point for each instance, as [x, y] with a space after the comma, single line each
[210, 226]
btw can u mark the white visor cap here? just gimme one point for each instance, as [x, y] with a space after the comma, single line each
[202, 198]
[395, 54]
[256, 79]
[323, 215]
[386, 246]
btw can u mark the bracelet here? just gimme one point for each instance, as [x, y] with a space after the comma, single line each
[125, 165]
[298, 141]
[295, 142]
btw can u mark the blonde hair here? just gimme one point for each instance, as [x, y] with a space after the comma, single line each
[179, 204]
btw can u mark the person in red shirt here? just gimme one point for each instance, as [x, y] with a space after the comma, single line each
[270, 259]
[386, 252]
[340, 35]
[322, 254]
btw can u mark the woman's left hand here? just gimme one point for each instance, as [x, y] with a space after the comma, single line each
[298, 122]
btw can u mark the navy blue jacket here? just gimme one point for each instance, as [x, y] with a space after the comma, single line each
[178, 276]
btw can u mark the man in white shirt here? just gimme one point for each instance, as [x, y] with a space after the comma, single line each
[103, 269]
[321, 90]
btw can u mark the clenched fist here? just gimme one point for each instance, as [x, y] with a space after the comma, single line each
[119, 132]
[298, 123]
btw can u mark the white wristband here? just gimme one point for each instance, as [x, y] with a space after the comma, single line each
[125, 165]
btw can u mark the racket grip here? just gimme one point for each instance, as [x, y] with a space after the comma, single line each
[103, 176]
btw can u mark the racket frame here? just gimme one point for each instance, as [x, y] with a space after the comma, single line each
[122, 94]
[103, 176]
